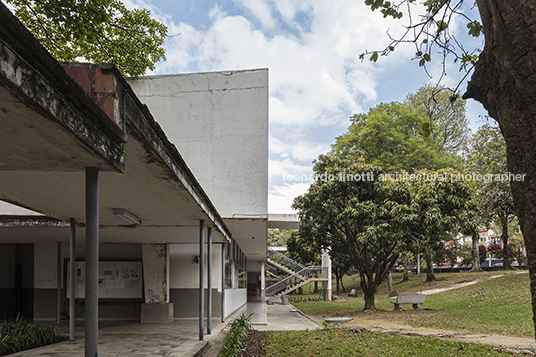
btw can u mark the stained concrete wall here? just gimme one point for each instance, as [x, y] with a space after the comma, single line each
[219, 123]
[45, 280]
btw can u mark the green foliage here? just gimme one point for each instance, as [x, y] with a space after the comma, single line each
[475, 28]
[96, 30]
[486, 157]
[278, 237]
[391, 136]
[236, 336]
[424, 35]
[447, 121]
[19, 335]
[375, 217]
[386, 8]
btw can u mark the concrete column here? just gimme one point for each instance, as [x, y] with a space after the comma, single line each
[72, 278]
[263, 282]
[223, 247]
[201, 279]
[157, 307]
[209, 280]
[92, 263]
[58, 285]
[326, 274]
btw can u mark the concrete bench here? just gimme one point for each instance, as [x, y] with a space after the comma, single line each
[411, 298]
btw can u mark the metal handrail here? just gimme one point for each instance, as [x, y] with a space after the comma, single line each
[284, 260]
[303, 274]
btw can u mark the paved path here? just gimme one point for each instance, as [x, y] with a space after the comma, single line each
[133, 339]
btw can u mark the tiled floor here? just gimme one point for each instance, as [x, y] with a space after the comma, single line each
[133, 339]
[177, 338]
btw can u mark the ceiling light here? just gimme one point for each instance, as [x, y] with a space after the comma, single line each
[127, 216]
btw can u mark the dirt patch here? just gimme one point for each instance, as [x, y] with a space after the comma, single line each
[254, 344]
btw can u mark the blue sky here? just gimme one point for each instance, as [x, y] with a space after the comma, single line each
[311, 48]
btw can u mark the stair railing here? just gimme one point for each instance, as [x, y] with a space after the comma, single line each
[296, 278]
[284, 260]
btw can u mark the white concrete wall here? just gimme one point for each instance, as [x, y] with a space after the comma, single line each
[45, 265]
[219, 123]
[234, 299]
[185, 274]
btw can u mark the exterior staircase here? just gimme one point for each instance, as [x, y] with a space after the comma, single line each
[299, 275]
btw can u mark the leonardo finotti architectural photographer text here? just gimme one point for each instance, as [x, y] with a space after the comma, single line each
[369, 176]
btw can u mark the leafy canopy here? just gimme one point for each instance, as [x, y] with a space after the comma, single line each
[96, 30]
[376, 217]
[391, 136]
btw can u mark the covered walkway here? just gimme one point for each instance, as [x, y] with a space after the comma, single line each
[177, 339]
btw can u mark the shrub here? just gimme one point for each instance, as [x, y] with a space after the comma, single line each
[19, 335]
[236, 336]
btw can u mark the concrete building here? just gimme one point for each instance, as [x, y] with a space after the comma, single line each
[145, 214]
[219, 123]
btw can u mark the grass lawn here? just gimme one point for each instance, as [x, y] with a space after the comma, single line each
[500, 305]
[345, 342]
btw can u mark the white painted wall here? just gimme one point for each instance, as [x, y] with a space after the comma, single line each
[219, 123]
[234, 299]
[45, 265]
[185, 274]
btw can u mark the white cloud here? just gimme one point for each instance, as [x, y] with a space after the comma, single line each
[299, 150]
[278, 169]
[261, 10]
[280, 197]
[312, 49]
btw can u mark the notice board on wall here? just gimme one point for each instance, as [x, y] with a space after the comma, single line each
[118, 279]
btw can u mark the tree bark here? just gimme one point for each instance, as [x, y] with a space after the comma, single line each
[406, 270]
[504, 81]
[369, 299]
[392, 291]
[476, 255]
[429, 266]
[506, 250]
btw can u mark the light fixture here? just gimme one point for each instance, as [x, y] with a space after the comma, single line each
[127, 216]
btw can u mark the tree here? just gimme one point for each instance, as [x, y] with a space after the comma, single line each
[304, 252]
[486, 157]
[340, 265]
[278, 237]
[390, 135]
[359, 214]
[96, 30]
[503, 81]
[376, 217]
[448, 125]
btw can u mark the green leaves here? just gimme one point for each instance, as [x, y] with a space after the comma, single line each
[475, 28]
[374, 57]
[96, 30]
[441, 25]
[386, 8]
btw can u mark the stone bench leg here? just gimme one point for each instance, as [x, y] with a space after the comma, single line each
[416, 306]
[397, 306]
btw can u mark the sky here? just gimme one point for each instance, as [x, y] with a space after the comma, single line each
[316, 79]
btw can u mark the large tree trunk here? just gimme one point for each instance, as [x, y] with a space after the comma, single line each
[475, 254]
[429, 266]
[369, 290]
[504, 82]
[369, 299]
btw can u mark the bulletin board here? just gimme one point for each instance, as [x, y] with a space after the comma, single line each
[120, 280]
